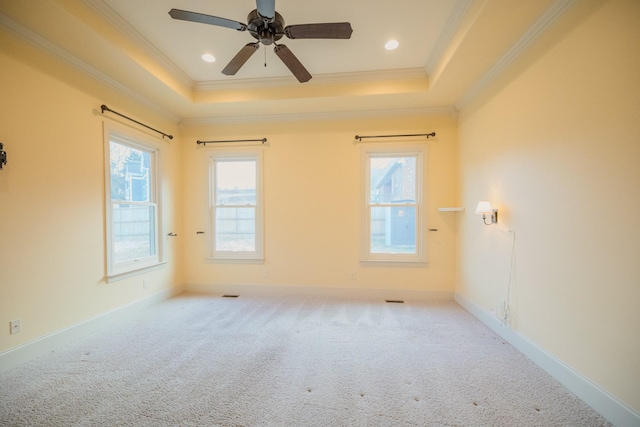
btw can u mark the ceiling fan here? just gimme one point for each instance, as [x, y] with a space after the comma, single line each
[267, 26]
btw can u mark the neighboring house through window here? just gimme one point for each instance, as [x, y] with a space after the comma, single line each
[393, 203]
[133, 209]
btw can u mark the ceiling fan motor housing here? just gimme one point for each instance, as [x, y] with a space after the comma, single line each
[264, 31]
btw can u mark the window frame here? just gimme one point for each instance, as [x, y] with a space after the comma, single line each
[419, 151]
[139, 141]
[230, 155]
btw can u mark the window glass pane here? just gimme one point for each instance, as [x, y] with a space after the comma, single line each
[235, 182]
[236, 229]
[130, 175]
[393, 229]
[133, 232]
[392, 179]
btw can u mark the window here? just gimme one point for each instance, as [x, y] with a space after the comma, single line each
[393, 204]
[132, 190]
[236, 205]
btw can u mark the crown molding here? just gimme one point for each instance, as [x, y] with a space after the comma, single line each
[346, 115]
[46, 45]
[452, 25]
[545, 21]
[106, 12]
[353, 77]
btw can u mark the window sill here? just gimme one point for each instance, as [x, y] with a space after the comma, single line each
[131, 273]
[394, 263]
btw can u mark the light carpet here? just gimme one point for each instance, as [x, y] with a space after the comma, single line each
[290, 361]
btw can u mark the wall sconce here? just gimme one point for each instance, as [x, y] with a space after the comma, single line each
[485, 209]
[3, 156]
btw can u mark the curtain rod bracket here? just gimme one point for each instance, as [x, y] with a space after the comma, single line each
[105, 108]
[428, 135]
[263, 140]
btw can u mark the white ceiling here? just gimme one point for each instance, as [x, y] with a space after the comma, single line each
[448, 50]
[373, 21]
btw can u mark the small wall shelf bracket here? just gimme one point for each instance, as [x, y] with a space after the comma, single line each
[456, 209]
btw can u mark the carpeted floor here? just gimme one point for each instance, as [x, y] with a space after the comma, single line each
[290, 361]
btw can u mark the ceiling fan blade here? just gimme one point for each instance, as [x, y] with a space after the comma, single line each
[266, 8]
[241, 57]
[185, 15]
[332, 30]
[292, 63]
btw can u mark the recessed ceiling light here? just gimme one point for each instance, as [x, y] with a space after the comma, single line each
[391, 45]
[208, 57]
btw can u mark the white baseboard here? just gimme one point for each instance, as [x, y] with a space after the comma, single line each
[382, 294]
[607, 405]
[32, 349]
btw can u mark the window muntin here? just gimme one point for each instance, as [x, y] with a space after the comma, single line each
[132, 202]
[393, 205]
[236, 206]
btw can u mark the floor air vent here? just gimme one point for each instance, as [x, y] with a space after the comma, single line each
[230, 296]
[394, 301]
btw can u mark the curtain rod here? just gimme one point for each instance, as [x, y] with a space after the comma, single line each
[105, 108]
[263, 140]
[360, 138]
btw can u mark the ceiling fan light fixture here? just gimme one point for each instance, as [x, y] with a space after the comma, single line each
[391, 45]
[267, 27]
[207, 57]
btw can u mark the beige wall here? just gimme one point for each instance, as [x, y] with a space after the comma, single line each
[312, 185]
[52, 217]
[557, 149]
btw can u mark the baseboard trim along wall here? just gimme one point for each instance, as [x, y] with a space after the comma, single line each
[382, 294]
[32, 349]
[607, 405]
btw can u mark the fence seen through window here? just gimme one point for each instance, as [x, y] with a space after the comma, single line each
[235, 205]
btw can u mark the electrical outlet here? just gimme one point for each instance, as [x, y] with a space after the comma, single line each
[352, 275]
[265, 273]
[15, 326]
[145, 283]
